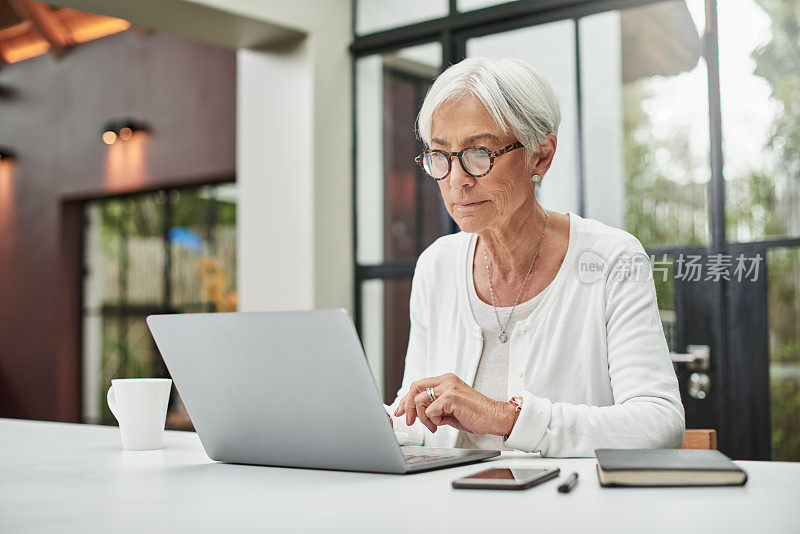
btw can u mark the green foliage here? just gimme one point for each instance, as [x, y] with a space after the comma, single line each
[752, 204]
[778, 62]
[656, 205]
[783, 279]
[787, 352]
[665, 285]
[785, 419]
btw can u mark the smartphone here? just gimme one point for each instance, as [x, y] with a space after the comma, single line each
[511, 478]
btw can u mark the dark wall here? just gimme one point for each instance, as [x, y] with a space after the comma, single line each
[51, 113]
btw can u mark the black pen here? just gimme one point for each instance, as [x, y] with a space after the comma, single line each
[571, 482]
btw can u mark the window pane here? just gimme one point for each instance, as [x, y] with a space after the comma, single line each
[664, 280]
[783, 286]
[384, 331]
[559, 189]
[399, 211]
[202, 249]
[645, 113]
[378, 15]
[144, 257]
[759, 64]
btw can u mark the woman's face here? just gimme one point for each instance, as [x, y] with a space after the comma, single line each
[477, 204]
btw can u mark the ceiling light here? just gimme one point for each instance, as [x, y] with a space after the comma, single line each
[122, 129]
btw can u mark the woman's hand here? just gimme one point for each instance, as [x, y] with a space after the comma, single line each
[457, 405]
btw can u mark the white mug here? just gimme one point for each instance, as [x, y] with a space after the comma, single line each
[140, 406]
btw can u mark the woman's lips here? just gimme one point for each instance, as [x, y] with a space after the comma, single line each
[467, 206]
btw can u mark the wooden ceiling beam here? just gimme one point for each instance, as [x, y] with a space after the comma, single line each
[14, 6]
[45, 21]
[8, 15]
[22, 41]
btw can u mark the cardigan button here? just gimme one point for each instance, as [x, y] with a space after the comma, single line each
[521, 372]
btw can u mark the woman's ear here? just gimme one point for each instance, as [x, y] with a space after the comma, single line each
[545, 152]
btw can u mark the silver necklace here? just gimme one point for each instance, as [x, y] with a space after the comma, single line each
[503, 336]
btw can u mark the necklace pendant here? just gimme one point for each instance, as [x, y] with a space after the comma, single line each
[503, 337]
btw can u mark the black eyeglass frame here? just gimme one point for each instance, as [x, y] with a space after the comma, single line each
[449, 155]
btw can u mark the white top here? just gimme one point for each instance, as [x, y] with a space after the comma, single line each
[591, 361]
[70, 478]
[491, 378]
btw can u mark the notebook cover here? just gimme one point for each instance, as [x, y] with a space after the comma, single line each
[663, 459]
[674, 460]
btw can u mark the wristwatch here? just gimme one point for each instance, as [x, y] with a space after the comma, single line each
[517, 402]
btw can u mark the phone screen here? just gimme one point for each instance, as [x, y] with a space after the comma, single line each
[512, 475]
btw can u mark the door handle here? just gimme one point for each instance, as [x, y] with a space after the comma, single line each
[696, 357]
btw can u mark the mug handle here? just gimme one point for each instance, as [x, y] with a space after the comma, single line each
[112, 404]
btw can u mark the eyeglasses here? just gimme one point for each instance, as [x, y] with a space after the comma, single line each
[476, 161]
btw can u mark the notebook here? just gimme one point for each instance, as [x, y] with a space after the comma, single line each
[667, 467]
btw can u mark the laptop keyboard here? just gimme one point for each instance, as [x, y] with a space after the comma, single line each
[414, 458]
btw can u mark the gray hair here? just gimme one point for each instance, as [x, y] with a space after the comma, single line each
[517, 96]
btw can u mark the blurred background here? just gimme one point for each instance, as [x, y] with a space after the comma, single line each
[179, 156]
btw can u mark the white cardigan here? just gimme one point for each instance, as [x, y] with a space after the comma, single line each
[591, 362]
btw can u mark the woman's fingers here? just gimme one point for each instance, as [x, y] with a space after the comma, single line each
[439, 409]
[401, 406]
[407, 404]
[451, 395]
[421, 402]
[407, 400]
[411, 410]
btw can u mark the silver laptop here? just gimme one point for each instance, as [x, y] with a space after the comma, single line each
[287, 389]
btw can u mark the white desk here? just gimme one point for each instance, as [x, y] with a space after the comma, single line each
[58, 477]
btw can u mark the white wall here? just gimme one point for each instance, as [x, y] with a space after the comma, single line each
[295, 228]
[275, 180]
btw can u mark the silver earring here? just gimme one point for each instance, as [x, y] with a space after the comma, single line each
[536, 178]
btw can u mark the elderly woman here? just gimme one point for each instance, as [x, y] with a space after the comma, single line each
[530, 330]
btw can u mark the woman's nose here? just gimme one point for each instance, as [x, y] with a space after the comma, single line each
[459, 177]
